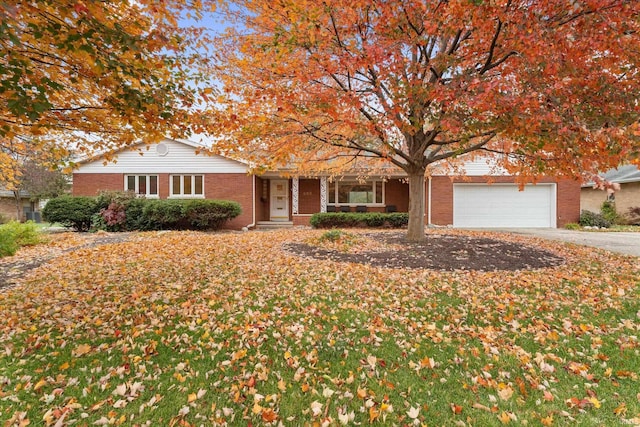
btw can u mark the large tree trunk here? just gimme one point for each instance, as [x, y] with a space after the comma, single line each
[415, 232]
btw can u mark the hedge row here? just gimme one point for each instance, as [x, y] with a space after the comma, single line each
[115, 211]
[354, 219]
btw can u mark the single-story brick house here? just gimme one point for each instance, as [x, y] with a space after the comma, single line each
[626, 198]
[173, 169]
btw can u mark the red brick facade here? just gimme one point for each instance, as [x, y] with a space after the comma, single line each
[229, 186]
[239, 187]
[309, 196]
[567, 197]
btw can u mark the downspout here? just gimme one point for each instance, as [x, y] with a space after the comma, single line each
[253, 201]
[429, 204]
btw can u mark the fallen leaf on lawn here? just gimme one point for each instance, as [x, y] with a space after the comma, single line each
[81, 350]
[505, 393]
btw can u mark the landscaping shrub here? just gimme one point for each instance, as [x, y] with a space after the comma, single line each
[210, 214]
[134, 216]
[163, 214]
[633, 216]
[608, 212]
[355, 219]
[15, 234]
[572, 226]
[592, 219]
[75, 212]
[118, 211]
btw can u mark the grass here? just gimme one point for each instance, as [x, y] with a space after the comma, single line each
[208, 329]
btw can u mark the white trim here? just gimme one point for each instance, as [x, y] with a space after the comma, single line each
[182, 195]
[429, 203]
[323, 194]
[253, 201]
[375, 183]
[295, 188]
[136, 184]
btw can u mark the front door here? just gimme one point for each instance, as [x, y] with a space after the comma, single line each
[279, 200]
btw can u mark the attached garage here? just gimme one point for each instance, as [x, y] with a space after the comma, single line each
[504, 205]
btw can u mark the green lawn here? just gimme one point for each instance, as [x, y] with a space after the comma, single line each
[197, 329]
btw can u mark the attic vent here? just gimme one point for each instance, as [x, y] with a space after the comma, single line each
[162, 149]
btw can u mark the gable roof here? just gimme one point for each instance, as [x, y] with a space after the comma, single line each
[166, 156]
[621, 175]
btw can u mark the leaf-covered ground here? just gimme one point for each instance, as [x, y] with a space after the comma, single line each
[188, 328]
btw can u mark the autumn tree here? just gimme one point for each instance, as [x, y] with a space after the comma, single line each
[548, 86]
[98, 75]
[36, 172]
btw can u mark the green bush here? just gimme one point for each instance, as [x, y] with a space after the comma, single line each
[355, 219]
[163, 214]
[592, 219]
[608, 212]
[572, 226]
[14, 235]
[75, 212]
[117, 211]
[209, 214]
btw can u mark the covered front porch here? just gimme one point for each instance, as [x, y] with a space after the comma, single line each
[292, 201]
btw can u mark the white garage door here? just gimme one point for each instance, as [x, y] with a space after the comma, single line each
[503, 205]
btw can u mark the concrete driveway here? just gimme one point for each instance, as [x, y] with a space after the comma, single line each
[620, 242]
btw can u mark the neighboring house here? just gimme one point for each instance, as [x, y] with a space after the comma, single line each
[9, 208]
[627, 197]
[171, 169]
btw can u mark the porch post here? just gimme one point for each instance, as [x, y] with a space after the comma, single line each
[294, 195]
[323, 194]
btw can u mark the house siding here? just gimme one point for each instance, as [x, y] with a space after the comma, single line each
[626, 198]
[180, 159]
[8, 208]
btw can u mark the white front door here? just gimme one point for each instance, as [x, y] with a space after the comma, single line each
[279, 200]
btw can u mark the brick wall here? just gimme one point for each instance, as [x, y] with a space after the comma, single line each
[236, 187]
[8, 208]
[90, 184]
[567, 197]
[232, 186]
[567, 202]
[441, 201]
[309, 196]
[396, 192]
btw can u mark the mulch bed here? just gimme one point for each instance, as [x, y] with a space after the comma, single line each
[446, 252]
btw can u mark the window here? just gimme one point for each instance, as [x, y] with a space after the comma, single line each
[143, 185]
[187, 186]
[355, 193]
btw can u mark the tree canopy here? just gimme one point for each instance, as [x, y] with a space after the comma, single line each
[550, 85]
[100, 75]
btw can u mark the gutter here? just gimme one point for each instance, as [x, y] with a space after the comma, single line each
[253, 201]
[429, 204]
